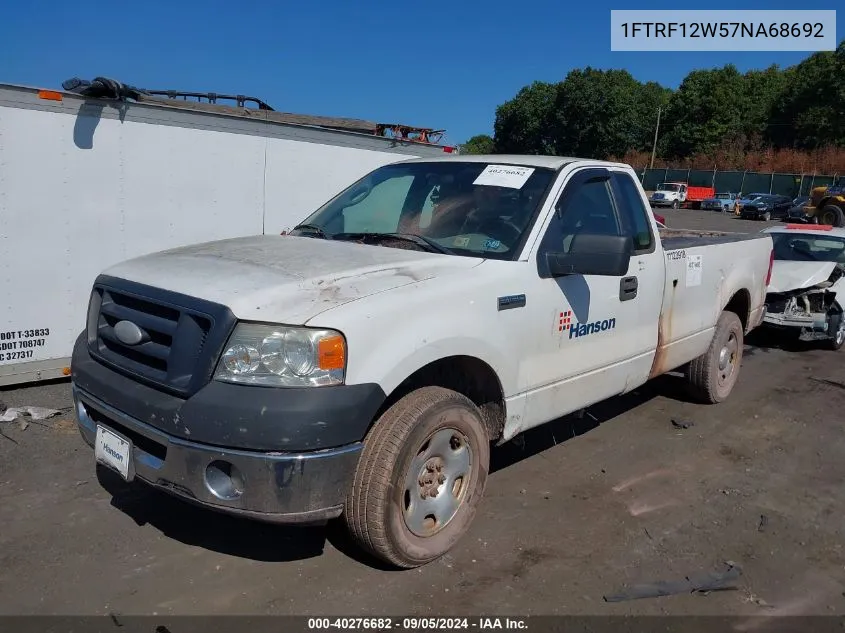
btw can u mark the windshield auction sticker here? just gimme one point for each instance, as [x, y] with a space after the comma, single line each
[504, 176]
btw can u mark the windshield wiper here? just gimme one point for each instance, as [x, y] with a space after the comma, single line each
[427, 243]
[313, 228]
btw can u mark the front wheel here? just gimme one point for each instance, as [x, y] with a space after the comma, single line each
[712, 375]
[767, 216]
[420, 478]
[836, 331]
[675, 204]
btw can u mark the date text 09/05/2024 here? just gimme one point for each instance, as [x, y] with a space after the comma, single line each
[416, 624]
[723, 29]
[20, 344]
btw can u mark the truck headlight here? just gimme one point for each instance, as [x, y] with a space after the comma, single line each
[279, 356]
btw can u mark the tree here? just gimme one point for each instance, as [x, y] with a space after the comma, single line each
[478, 144]
[704, 112]
[602, 113]
[809, 111]
[761, 90]
[523, 124]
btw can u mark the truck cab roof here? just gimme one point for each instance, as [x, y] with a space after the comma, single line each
[548, 162]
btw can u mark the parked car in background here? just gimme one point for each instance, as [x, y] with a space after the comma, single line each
[747, 199]
[807, 280]
[766, 207]
[798, 211]
[725, 202]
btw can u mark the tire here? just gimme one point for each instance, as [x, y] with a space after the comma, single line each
[836, 330]
[675, 204]
[832, 216]
[705, 374]
[384, 485]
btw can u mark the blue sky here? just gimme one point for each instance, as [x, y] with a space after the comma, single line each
[435, 64]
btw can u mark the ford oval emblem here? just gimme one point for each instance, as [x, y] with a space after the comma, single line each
[128, 333]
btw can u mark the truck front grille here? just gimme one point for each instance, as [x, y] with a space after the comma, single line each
[181, 336]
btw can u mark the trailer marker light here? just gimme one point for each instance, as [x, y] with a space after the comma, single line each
[66, 371]
[50, 95]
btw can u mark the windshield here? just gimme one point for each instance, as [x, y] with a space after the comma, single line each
[462, 208]
[801, 247]
[664, 187]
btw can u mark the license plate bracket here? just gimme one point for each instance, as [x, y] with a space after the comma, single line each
[115, 452]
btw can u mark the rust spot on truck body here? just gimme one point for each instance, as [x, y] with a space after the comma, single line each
[664, 335]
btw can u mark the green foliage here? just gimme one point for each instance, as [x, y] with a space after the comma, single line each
[605, 113]
[600, 113]
[523, 124]
[478, 144]
[810, 109]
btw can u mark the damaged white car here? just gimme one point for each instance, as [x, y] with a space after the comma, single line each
[807, 279]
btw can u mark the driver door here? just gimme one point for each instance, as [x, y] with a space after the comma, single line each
[595, 335]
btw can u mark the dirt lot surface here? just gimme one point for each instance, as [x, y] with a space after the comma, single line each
[582, 509]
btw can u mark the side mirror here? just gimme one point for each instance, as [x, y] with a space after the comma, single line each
[606, 255]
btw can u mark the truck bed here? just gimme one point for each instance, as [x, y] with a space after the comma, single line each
[705, 271]
[673, 239]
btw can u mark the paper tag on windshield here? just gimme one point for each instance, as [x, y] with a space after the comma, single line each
[504, 176]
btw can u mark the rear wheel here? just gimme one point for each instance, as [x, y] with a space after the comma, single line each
[832, 216]
[420, 478]
[712, 375]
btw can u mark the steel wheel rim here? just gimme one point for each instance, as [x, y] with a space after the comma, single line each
[727, 359]
[437, 482]
[840, 332]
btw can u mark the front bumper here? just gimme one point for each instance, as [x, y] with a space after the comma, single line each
[779, 319]
[269, 486]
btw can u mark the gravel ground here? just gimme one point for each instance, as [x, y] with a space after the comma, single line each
[584, 508]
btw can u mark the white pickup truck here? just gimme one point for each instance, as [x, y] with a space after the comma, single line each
[363, 364]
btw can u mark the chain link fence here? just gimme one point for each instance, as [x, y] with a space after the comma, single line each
[792, 185]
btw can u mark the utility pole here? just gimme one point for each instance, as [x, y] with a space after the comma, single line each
[654, 146]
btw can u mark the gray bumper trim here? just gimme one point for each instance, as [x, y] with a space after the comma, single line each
[278, 487]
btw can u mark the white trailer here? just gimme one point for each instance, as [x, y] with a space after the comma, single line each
[88, 182]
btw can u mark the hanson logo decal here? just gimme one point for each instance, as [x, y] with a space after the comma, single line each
[577, 330]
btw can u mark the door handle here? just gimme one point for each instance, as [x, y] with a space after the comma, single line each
[627, 288]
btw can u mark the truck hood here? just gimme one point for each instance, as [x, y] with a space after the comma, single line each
[286, 279]
[787, 275]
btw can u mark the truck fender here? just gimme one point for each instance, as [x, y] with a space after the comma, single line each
[390, 365]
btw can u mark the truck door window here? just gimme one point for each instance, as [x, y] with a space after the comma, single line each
[633, 211]
[585, 206]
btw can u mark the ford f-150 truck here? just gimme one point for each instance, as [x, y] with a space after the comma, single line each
[363, 364]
